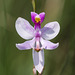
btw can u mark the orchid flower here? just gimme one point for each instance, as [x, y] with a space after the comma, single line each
[39, 37]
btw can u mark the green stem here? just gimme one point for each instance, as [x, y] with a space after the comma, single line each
[5, 16]
[33, 4]
[37, 73]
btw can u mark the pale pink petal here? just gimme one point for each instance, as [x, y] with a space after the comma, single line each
[48, 45]
[26, 45]
[38, 59]
[50, 30]
[24, 29]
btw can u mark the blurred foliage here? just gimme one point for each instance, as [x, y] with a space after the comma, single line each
[57, 62]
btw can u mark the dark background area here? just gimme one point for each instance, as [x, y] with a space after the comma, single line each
[60, 61]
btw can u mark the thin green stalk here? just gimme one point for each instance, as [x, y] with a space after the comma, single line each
[5, 34]
[5, 16]
[33, 4]
[37, 73]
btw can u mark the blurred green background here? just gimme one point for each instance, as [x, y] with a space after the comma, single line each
[60, 61]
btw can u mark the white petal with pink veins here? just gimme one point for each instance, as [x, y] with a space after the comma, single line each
[38, 59]
[26, 45]
[48, 45]
[24, 29]
[50, 30]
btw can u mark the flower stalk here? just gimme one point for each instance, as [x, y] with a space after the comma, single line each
[37, 72]
[33, 4]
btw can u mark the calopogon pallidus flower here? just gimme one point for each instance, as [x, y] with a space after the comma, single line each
[37, 37]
